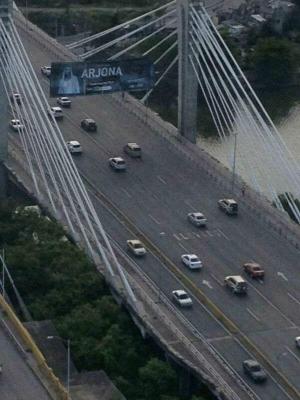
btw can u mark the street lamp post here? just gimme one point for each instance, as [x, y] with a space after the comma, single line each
[234, 163]
[68, 342]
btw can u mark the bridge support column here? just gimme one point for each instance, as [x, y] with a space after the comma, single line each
[187, 83]
[5, 12]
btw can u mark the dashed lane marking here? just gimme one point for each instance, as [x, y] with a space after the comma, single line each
[161, 179]
[293, 298]
[183, 247]
[217, 279]
[292, 353]
[127, 193]
[154, 219]
[253, 315]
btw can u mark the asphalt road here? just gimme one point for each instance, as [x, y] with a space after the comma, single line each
[17, 381]
[156, 193]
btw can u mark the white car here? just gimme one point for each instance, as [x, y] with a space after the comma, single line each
[191, 261]
[229, 206]
[46, 70]
[56, 112]
[297, 341]
[16, 125]
[182, 298]
[197, 219]
[74, 147]
[16, 98]
[117, 163]
[64, 101]
[136, 247]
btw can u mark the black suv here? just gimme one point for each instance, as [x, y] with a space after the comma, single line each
[88, 125]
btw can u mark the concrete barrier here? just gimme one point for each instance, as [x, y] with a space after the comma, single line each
[54, 382]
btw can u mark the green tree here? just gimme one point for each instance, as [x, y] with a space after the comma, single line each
[274, 61]
[157, 379]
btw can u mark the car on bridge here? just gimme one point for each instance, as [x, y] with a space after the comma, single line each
[117, 163]
[16, 125]
[253, 369]
[46, 70]
[236, 284]
[16, 98]
[254, 270]
[191, 261]
[89, 125]
[181, 298]
[136, 247]
[56, 112]
[133, 150]
[74, 147]
[229, 206]
[64, 102]
[197, 219]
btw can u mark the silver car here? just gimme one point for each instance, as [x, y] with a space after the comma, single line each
[197, 219]
[117, 163]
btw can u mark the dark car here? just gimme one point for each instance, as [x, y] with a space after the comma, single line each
[89, 125]
[254, 270]
[254, 370]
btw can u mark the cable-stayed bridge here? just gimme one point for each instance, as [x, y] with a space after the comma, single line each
[151, 202]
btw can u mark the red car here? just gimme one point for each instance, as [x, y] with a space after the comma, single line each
[254, 270]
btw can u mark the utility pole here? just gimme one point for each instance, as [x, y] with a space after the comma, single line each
[5, 13]
[187, 85]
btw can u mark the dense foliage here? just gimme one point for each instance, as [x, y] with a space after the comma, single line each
[58, 282]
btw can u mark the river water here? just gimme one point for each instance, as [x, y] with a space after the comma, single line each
[284, 108]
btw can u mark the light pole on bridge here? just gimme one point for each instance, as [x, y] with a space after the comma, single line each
[5, 13]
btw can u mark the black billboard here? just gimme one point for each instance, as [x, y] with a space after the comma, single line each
[84, 78]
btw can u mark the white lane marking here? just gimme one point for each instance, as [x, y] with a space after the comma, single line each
[216, 279]
[293, 298]
[183, 247]
[219, 339]
[189, 204]
[281, 274]
[127, 193]
[223, 234]
[207, 283]
[161, 179]
[292, 353]
[209, 233]
[197, 235]
[154, 219]
[176, 237]
[182, 236]
[272, 305]
[253, 315]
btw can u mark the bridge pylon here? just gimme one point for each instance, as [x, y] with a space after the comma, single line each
[187, 85]
[5, 13]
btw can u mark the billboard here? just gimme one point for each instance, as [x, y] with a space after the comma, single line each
[84, 78]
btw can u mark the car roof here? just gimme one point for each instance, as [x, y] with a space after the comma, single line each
[133, 145]
[238, 278]
[56, 109]
[252, 264]
[65, 98]
[251, 362]
[179, 292]
[135, 241]
[197, 214]
[118, 158]
[89, 120]
[74, 142]
[189, 255]
[230, 201]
